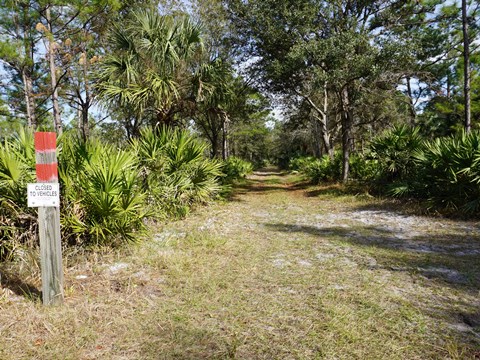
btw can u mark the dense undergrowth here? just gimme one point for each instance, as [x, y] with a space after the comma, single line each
[107, 193]
[444, 172]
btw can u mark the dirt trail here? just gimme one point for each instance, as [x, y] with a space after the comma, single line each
[271, 200]
[362, 249]
[283, 270]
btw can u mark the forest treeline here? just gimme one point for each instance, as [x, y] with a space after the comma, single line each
[381, 91]
[341, 71]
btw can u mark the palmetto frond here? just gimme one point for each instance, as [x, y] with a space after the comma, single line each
[395, 150]
[17, 164]
[451, 171]
[151, 53]
[177, 172]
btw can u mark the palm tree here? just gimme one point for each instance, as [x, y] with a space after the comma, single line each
[149, 72]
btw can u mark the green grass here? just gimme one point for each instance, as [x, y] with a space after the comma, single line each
[274, 274]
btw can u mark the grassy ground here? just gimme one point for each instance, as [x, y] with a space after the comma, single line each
[282, 271]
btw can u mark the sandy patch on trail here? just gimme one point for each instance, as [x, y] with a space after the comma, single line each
[410, 233]
[292, 214]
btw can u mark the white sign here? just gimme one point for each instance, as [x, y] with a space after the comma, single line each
[43, 194]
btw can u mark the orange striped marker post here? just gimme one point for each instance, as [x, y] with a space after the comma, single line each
[49, 221]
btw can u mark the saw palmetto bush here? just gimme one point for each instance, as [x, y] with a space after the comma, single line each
[17, 221]
[323, 169]
[299, 163]
[364, 168]
[106, 193]
[445, 171]
[449, 173]
[394, 153]
[175, 171]
[394, 150]
[235, 168]
[103, 199]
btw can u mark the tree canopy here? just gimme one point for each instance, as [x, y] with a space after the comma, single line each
[339, 72]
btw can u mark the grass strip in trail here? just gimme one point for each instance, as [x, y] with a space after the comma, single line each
[281, 271]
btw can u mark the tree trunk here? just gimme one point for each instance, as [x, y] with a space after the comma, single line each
[466, 70]
[325, 135]
[88, 100]
[84, 121]
[347, 122]
[328, 144]
[29, 100]
[317, 139]
[79, 117]
[413, 113]
[213, 131]
[23, 31]
[323, 122]
[53, 76]
[85, 104]
[226, 121]
[214, 142]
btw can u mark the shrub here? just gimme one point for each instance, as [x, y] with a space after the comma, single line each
[102, 195]
[393, 153]
[364, 168]
[449, 172]
[175, 171]
[235, 168]
[323, 169]
[445, 171]
[17, 221]
[107, 193]
[394, 150]
[17, 164]
[300, 163]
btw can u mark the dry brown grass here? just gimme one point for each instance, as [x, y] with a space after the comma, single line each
[276, 273]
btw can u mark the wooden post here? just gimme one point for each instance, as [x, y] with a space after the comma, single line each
[49, 222]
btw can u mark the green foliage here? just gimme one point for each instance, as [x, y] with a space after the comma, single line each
[102, 194]
[17, 162]
[300, 163]
[176, 173]
[400, 163]
[131, 83]
[107, 193]
[325, 169]
[317, 170]
[444, 171]
[363, 168]
[235, 168]
[394, 150]
[394, 153]
[8, 122]
[450, 172]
